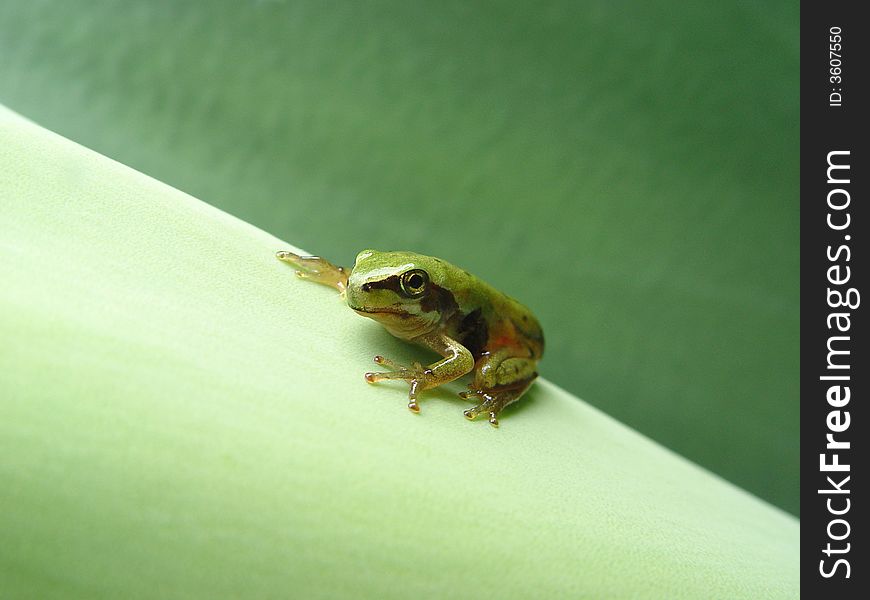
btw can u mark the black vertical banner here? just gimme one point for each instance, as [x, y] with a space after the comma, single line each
[835, 368]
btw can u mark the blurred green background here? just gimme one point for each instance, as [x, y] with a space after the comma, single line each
[629, 170]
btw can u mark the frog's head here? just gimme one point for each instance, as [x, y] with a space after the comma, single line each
[403, 291]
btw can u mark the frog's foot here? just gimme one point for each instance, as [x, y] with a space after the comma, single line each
[316, 269]
[493, 400]
[491, 404]
[416, 375]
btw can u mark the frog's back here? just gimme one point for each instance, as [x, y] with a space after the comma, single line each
[489, 320]
[517, 327]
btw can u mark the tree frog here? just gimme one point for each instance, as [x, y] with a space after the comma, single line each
[428, 301]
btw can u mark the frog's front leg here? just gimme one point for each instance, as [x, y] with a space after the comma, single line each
[457, 362]
[316, 269]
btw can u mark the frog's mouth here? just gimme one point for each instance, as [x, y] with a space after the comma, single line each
[401, 323]
[380, 311]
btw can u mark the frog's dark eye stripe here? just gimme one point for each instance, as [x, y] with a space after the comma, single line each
[414, 283]
[391, 283]
[411, 284]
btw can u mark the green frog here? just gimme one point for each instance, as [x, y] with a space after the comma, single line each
[428, 301]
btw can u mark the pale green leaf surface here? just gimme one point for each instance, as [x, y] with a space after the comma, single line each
[181, 417]
[630, 169]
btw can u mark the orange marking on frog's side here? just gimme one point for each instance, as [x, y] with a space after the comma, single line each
[505, 334]
[504, 340]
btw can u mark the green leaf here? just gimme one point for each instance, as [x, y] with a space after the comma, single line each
[628, 169]
[181, 417]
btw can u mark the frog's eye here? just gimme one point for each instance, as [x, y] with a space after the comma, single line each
[414, 282]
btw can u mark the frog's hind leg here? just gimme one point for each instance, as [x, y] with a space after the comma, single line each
[316, 269]
[498, 385]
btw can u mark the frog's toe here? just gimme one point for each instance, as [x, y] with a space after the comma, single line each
[397, 371]
[381, 376]
[394, 366]
[472, 413]
[491, 405]
[286, 255]
[386, 362]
